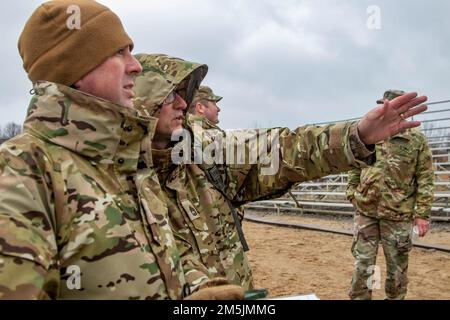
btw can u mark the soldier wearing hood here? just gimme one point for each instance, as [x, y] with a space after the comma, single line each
[80, 212]
[199, 198]
[390, 197]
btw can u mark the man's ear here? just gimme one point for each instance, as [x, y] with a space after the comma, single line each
[199, 108]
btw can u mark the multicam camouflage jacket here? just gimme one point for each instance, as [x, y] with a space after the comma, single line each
[81, 215]
[204, 134]
[199, 213]
[399, 186]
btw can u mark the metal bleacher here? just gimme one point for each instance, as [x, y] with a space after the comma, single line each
[327, 195]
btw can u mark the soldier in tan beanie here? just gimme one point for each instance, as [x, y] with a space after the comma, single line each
[78, 218]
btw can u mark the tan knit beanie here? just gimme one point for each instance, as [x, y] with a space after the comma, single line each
[65, 39]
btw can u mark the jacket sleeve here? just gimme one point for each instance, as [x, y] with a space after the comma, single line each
[28, 268]
[353, 180]
[425, 182]
[291, 157]
[196, 274]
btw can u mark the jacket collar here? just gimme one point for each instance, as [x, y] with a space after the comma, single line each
[162, 160]
[87, 125]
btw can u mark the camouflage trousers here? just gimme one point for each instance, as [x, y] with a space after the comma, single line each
[396, 240]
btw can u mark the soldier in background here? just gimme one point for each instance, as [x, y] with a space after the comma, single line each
[204, 108]
[390, 197]
[205, 104]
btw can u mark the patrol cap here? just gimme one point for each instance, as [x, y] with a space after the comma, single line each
[205, 93]
[391, 94]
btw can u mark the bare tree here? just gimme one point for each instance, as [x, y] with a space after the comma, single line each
[10, 130]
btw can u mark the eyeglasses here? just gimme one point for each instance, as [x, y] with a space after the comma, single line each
[170, 98]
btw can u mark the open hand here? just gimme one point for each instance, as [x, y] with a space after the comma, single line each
[389, 119]
[423, 226]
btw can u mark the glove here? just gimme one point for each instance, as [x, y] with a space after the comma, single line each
[223, 292]
[217, 289]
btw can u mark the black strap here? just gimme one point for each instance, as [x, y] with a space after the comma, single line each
[186, 290]
[215, 178]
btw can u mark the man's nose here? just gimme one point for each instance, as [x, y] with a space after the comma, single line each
[179, 102]
[133, 65]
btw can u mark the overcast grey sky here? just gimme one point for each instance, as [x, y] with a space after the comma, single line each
[276, 63]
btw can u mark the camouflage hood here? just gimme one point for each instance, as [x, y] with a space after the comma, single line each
[83, 123]
[161, 74]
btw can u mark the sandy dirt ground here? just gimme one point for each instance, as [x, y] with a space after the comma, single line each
[291, 262]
